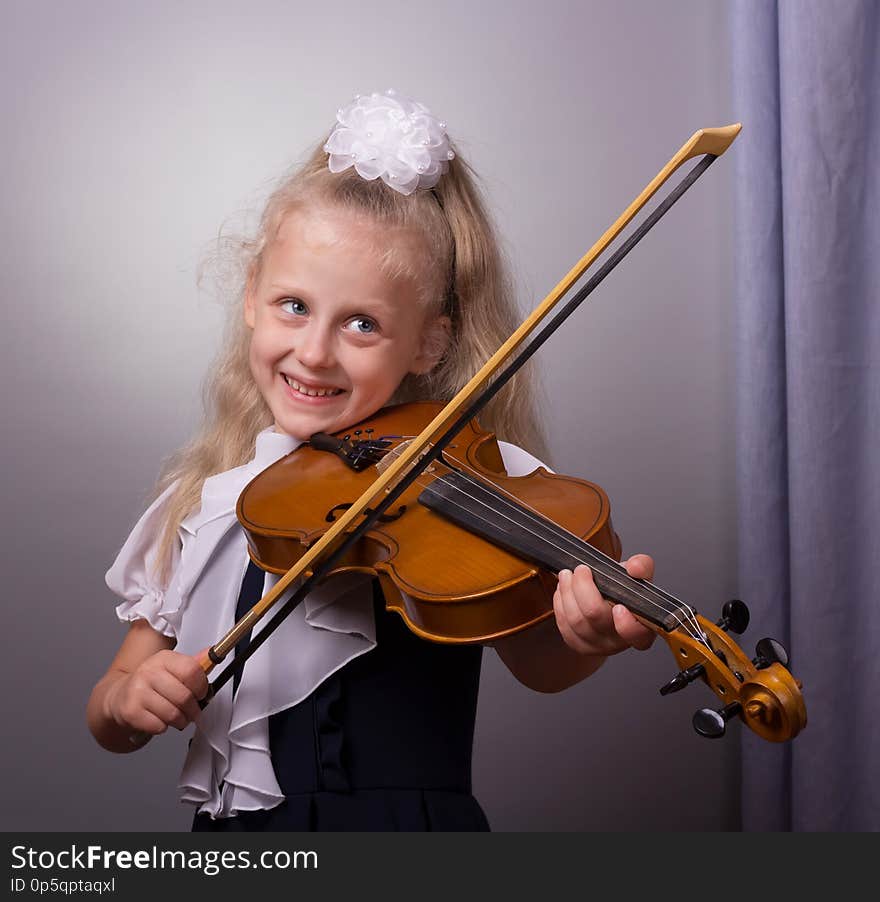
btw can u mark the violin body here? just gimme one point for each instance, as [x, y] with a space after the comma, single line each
[448, 584]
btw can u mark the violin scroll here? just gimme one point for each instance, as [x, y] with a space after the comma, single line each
[760, 691]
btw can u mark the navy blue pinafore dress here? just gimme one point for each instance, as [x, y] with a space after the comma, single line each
[383, 744]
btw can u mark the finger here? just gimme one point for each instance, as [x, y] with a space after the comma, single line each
[640, 565]
[169, 714]
[159, 692]
[179, 696]
[595, 609]
[586, 615]
[633, 633]
[188, 671]
[186, 705]
[566, 611]
[147, 722]
[139, 712]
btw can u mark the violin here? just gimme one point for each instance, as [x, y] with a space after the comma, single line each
[468, 554]
[487, 546]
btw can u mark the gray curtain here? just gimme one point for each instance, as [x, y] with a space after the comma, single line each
[808, 356]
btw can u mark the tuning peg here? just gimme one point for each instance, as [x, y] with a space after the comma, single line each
[711, 723]
[734, 616]
[682, 679]
[768, 652]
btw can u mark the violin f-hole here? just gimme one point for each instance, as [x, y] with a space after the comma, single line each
[384, 518]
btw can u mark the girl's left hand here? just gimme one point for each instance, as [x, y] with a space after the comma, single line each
[592, 626]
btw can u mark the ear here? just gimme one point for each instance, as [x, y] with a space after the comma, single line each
[436, 335]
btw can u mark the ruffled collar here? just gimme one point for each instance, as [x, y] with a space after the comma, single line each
[228, 768]
[220, 492]
[272, 446]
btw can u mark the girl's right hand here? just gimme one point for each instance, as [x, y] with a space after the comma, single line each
[162, 691]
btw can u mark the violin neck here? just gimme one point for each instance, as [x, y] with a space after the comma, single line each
[483, 510]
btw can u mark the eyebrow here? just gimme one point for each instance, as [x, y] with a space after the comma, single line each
[279, 286]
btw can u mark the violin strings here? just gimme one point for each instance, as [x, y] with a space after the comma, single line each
[576, 545]
[605, 565]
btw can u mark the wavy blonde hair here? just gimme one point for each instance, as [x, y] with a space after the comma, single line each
[461, 276]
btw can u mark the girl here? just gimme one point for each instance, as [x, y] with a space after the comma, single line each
[375, 278]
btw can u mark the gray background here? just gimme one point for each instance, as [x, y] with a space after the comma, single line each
[132, 132]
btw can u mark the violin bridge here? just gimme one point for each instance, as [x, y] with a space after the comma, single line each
[392, 455]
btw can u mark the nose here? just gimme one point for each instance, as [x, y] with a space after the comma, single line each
[314, 348]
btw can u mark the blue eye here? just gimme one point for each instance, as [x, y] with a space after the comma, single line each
[294, 306]
[363, 325]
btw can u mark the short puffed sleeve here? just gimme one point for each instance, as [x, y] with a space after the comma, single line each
[133, 574]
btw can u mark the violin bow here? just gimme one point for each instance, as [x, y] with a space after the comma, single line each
[320, 558]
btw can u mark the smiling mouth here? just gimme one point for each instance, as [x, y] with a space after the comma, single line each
[310, 392]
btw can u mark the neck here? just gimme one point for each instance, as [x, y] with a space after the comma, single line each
[483, 510]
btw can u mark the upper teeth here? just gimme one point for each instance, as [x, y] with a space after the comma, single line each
[312, 392]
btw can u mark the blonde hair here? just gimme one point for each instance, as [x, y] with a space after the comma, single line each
[462, 276]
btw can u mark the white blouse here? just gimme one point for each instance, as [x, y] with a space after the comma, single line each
[228, 768]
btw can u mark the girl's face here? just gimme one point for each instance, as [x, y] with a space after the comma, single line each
[333, 334]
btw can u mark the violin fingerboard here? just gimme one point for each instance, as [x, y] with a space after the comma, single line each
[482, 510]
